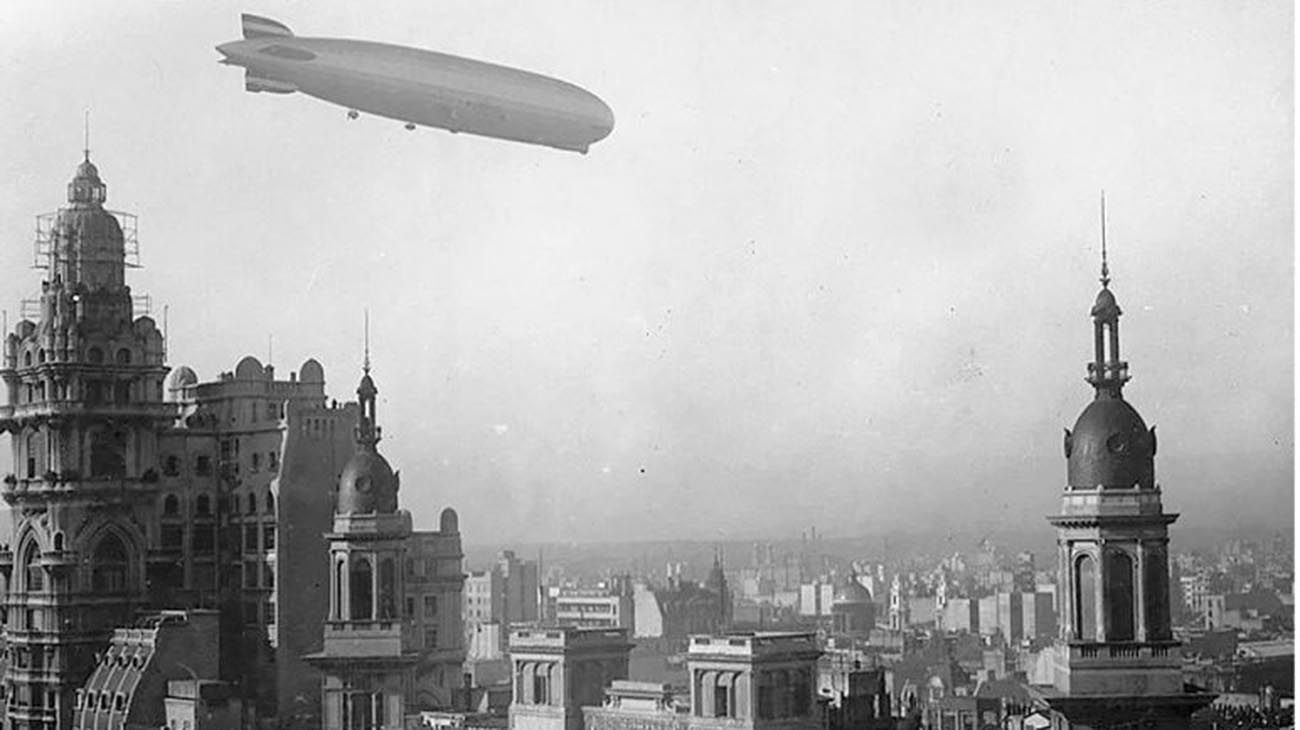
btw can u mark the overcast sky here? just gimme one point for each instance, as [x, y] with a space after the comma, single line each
[832, 267]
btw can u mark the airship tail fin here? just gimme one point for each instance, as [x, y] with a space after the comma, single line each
[256, 26]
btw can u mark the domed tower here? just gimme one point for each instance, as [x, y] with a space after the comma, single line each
[1115, 656]
[393, 629]
[84, 378]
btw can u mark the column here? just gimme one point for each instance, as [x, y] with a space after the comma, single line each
[374, 586]
[1100, 590]
[1139, 591]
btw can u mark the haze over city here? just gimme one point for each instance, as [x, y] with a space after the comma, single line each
[832, 267]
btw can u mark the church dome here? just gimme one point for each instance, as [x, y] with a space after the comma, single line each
[367, 485]
[1110, 447]
[852, 592]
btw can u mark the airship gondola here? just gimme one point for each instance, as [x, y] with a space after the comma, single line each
[419, 87]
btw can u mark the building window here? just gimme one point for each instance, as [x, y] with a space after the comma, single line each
[173, 536]
[387, 589]
[250, 613]
[410, 607]
[268, 537]
[250, 538]
[172, 466]
[431, 637]
[252, 412]
[270, 503]
[34, 573]
[272, 412]
[124, 356]
[430, 606]
[171, 505]
[273, 460]
[257, 462]
[541, 684]
[250, 574]
[203, 465]
[202, 540]
[203, 505]
[361, 596]
[252, 504]
[109, 572]
[268, 575]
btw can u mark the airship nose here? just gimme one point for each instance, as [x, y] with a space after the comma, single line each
[602, 117]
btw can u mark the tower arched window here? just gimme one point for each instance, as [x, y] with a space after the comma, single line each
[252, 504]
[33, 451]
[1085, 598]
[171, 505]
[1119, 597]
[124, 356]
[27, 358]
[109, 566]
[172, 466]
[360, 593]
[270, 503]
[58, 541]
[33, 573]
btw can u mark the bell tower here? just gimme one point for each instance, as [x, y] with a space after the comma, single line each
[1115, 659]
[83, 375]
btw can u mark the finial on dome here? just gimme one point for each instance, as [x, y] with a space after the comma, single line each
[85, 148]
[1105, 270]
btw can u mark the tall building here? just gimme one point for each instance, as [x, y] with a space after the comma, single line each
[85, 392]
[246, 497]
[135, 489]
[1116, 659]
[392, 637]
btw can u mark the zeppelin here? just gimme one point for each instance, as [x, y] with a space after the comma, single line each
[419, 87]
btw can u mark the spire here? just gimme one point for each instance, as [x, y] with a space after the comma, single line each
[85, 147]
[1107, 372]
[1105, 270]
[368, 432]
[365, 363]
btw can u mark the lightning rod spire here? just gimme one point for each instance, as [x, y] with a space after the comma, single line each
[365, 364]
[85, 137]
[1105, 270]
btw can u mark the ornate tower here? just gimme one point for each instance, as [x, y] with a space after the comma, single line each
[393, 637]
[84, 381]
[1116, 660]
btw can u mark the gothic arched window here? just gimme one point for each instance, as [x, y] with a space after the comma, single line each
[32, 571]
[109, 566]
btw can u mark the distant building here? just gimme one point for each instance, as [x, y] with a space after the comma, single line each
[596, 608]
[853, 614]
[815, 598]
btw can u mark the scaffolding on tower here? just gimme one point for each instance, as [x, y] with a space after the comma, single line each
[43, 244]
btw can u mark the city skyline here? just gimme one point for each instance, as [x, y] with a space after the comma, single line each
[742, 308]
